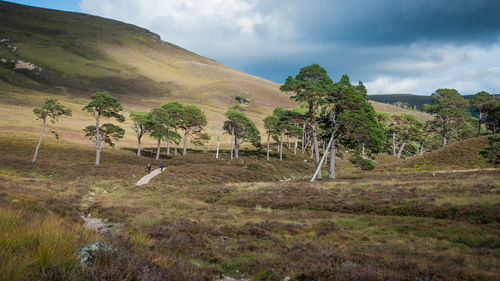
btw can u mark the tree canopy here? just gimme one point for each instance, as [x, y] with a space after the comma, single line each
[244, 128]
[484, 103]
[51, 109]
[109, 133]
[102, 104]
[450, 110]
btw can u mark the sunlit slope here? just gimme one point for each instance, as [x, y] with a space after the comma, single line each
[459, 155]
[392, 109]
[47, 53]
[86, 53]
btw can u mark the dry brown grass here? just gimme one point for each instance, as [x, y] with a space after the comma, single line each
[199, 219]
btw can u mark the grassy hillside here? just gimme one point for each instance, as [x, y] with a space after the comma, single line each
[47, 53]
[460, 155]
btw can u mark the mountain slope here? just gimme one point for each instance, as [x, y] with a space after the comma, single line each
[86, 53]
[48, 53]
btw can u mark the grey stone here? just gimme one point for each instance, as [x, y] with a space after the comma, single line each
[87, 254]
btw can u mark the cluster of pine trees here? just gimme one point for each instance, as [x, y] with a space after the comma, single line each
[331, 116]
[339, 116]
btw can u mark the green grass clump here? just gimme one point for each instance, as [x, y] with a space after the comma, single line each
[364, 164]
[38, 247]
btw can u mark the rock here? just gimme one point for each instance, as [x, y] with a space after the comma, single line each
[20, 64]
[87, 254]
[103, 227]
[286, 279]
[4, 60]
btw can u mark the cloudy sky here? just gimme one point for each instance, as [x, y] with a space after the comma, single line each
[393, 46]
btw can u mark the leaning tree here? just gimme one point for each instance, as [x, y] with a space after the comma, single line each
[51, 109]
[311, 85]
[349, 119]
[103, 105]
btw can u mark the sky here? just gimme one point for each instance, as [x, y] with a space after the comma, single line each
[392, 46]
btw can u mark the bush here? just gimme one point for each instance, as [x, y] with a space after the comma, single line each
[364, 164]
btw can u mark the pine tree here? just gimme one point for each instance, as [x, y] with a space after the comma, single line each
[51, 109]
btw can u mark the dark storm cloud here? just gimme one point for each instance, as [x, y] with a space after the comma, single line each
[388, 22]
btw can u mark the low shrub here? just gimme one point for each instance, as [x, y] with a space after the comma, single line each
[364, 164]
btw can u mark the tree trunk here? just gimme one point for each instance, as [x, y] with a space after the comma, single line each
[236, 147]
[331, 170]
[444, 133]
[312, 151]
[421, 150]
[186, 135]
[281, 146]
[394, 144]
[316, 149]
[268, 140]
[175, 149]
[288, 140]
[232, 142]
[318, 166]
[168, 147]
[158, 149]
[217, 153]
[97, 141]
[303, 135]
[138, 147]
[479, 124]
[40, 141]
[401, 149]
[363, 149]
[295, 147]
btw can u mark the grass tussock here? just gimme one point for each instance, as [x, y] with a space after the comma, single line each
[38, 247]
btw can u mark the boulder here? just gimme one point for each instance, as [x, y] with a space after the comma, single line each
[87, 254]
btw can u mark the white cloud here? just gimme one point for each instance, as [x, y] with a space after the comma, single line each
[426, 68]
[219, 29]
